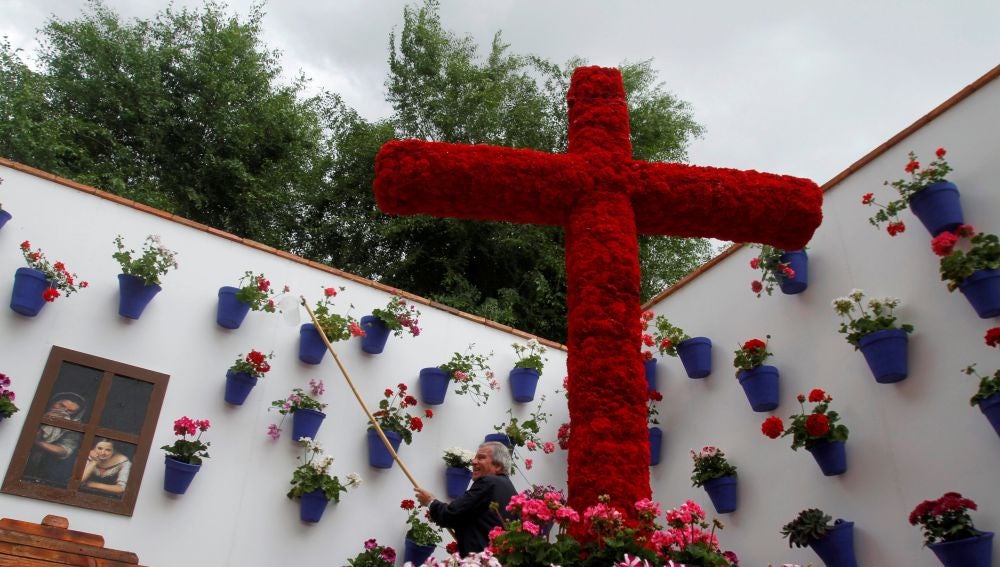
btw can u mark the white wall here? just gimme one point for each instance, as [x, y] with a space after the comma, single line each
[235, 512]
[909, 441]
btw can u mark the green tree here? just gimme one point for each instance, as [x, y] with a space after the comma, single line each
[182, 112]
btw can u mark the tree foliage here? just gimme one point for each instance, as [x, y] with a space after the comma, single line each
[184, 112]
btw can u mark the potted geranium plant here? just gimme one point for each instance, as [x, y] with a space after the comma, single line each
[41, 282]
[306, 411]
[988, 395]
[653, 424]
[975, 271]
[397, 317]
[242, 376]
[648, 342]
[833, 542]
[422, 537]
[717, 475]
[471, 373]
[183, 459]
[688, 539]
[817, 431]
[7, 407]
[374, 555]
[313, 484]
[760, 382]
[396, 424]
[787, 269]
[874, 331]
[527, 369]
[254, 293]
[933, 199]
[336, 327]
[515, 433]
[458, 473]
[140, 277]
[695, 352]
[949, 532]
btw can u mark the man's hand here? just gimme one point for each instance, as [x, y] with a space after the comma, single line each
[423, 496]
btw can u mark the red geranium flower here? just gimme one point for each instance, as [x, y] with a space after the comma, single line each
[817, 425]
[754, 344]
[944, 243]
[50, 294]
[407, 504]
[416, 424]
[773, 427]
[451, 548]
[912, 166]
[993, 337]
[940, 153]
[895, 228]
[817, 395]
[867, 198]
[756, 286]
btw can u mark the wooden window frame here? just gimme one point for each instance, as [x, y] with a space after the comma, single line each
[14, 483]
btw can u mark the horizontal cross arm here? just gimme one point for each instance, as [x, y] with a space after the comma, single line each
[728, 204]
[476, 182]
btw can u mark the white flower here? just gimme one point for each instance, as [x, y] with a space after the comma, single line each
[354, 479]
[532, 343]
[856, 294]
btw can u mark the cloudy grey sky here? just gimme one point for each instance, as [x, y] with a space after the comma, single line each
[790, 86]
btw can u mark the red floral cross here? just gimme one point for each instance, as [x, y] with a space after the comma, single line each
[604, 199]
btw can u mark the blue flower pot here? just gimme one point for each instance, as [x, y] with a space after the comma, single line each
[649, 366]
[134, 295]
[523, 382]
[433, 383]
[696, 356]
[231, 311]
[238, 386]
[886, 354]
[969, 552]
[26, 297]
[312, 505]
[982, 290]
[378, 456]
[305, 423]
[4, 217]
[311, 346]
[831, 456]
[376, 334]
[799, 262]
[938, 206]
[991, 409]
[416, 554]
[178, 475]
[499, 438]
[655, 445]
[836, 547]
[761, 387]
[457, 480]
[723, 492]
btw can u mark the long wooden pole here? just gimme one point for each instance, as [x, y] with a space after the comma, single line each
[357, 396]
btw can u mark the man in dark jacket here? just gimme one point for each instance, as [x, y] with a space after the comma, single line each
[470, 515]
